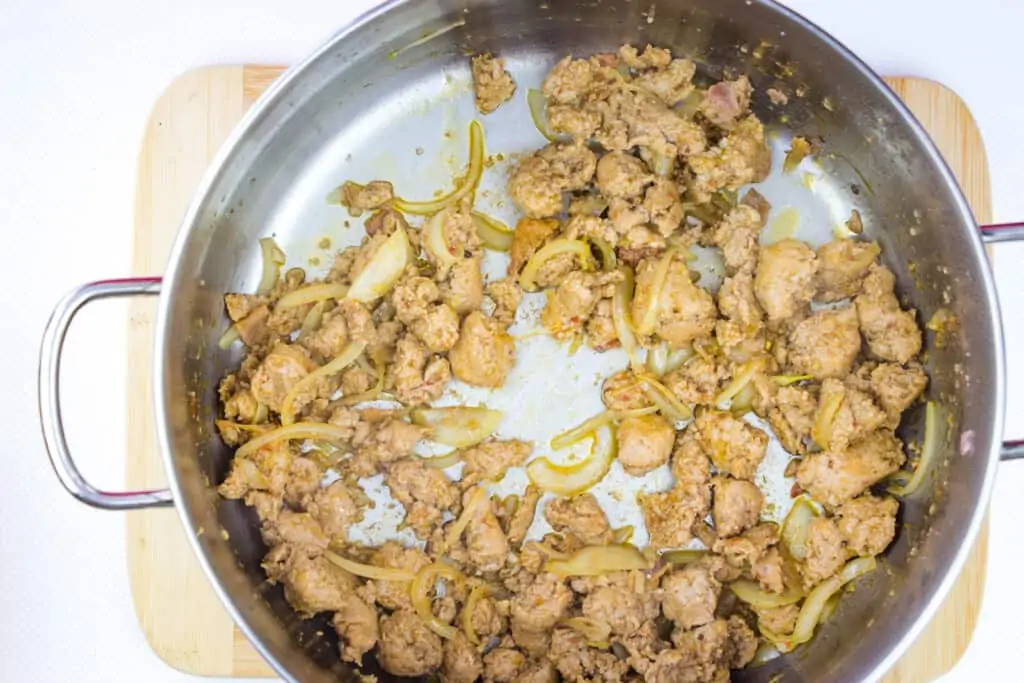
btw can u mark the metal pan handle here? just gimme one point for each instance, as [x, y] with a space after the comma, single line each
[49, 396]
[993, 234]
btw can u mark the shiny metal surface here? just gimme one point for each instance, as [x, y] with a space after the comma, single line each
[49, 396]
[361, 105]
[1002, 232]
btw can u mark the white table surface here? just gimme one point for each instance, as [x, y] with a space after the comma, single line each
[77, 84]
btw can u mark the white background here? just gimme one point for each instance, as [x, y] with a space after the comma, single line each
[77, 82]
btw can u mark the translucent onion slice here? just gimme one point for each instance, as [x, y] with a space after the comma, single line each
[683, 555]
[311, 323]
[666, 401]
[476, 169]
[751, 593]
[745, 373]
[929, 452]
[596, 560]
[538, 105]
[787, 380]
[677, 358]
[419, 591]
[592, 424]
[371, 394]
[821, 431]
[594, 630]
[273, 259]
[621, 317]
[434, 239]
[459, 426]
[299, 430]
[311, 294]
[480, 591]
[608, 259]
[347, 356]
[657, 359]
[649, 320]
[796, 526]
[230, 336]
[383, 270]
[477, 500]
[570, 480]
[441, 462]
[550, 250]
[369, 571]
[623, 534]
[814, 605]
[493, 233]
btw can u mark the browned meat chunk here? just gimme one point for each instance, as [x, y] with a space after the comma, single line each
[689, 596]
[897, 387]
[697, 382]
[601, 333]
[736, 448]
[436, 325]
[425, 492]
[484, 354]
[622, 175]
[737, 236]
[312, 584]
[737, 505]
[842, 267]
[492, 84]
[486, 543]
[569, 307]
[727, 101]
[535, 611]
[740, 158]
[891, 333]
[580, 516]
[577, 662]
[793, 417]
[568, 81]
[622, 391]
[671, 84]
[530, 234]
[826, 551]
[407, 646]
[856, 416]
[868, 524]
[690, 463]
[651, 58]
[359, 198]
[503, 664]
[416, 377]
[506, 296]
[490, 460]
[393, 595]
[671, 515]
[681, 311]
[622, 608]
[834, 478]
[825, 344]
[356, 624]
[779, 619]
[336, 508]
[462, 662]
[645, 443]
[537, 183]
[519, 522]
[784, 283]
[464, 290]
[281, 370]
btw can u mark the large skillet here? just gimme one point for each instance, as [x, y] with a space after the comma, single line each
[373, 93]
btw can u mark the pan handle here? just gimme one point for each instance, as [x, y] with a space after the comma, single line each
[993, 234]
[49, 396]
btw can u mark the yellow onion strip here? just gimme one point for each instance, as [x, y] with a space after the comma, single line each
[476, 169]
[649, 321]
[592, 424]
[623, 534]
[480, 591]
[273, 259]
[929, 452]
[814, 605]
[608, 260]
[683, 555]
[312, 321]
[241, 426]
[677, 358]
[419, 591]
[657, 359]
[550, 250]
[493, 233]
[383, 270]
[230, 336]
[371, 394]
[347, 356]
[596, 560]
[298, 430]
[311, 294]
[369, 571]
[477, 500]
[751, 593]
[538, 105]
[569, 480]
[740, 380]
[441, 462]
[434, 238]
[621, 316]
[667, 402]
[787, 380]
[596, 632]
[821, 431]
[796, 527]
[459, 426]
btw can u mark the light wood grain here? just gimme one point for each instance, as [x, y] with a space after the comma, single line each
[179, 613]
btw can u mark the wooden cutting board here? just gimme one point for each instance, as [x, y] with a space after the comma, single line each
[179, 613]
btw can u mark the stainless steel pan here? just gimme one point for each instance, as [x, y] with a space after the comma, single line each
[360, 105]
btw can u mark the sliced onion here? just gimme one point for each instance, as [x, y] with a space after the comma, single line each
[683, 555]
[230, 336]
[624, 534]
[739, 382]
[298, 430]
[311, 323]
[493, 233]
[273, 259]
[608, 259]
[369, 571]
[751, 593]
[538, 105]
[347, 356]
[657, 359]
[371, 394]
[550, 250]
[242, 427]
[459, 426]
[434, 239]
[596, 560]
[621, 320]
[677, 358]
[262, 412]
[649, 320]
[570, 480]
[419, 591]
[476, 169]
[481, 590]
[796, 526]
[766, 652]
[441, 462]
[311, 294]
[593, 630]
[385, 267]
[592, 424]
[477, 500]
[929, 451]
[787, 380]
[821, 431]
[666, 401]
[814, 605]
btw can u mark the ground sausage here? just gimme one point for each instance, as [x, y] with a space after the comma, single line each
[645, 443]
